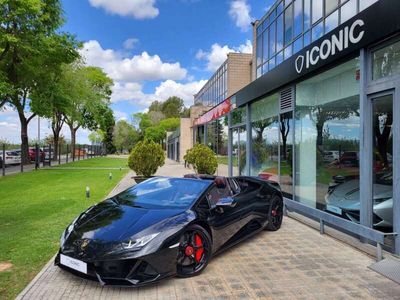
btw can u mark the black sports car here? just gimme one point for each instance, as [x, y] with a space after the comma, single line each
[167, 226]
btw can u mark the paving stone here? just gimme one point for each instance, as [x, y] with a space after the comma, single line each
[295, 262]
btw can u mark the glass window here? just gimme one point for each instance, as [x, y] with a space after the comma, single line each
[259, 72]
[272, 40]
[279, 8]
[259, 50]
[297, 45]
[330, 6]
[288, 52]
[259, 29]
[265, 46]
[239, 116]
[298, 17]
[307, 14]
[222, 140]
[288, 24]
[307, 38]
[279, 33]
[272, 15]
[271, 64]
[386, 61]
[265, 138]
[317, 31]
[287, 2]
[212, 137]
[332, 21]
[279, 58]
[200, 134]
[317, 10]
[348, 10]
[365, 3]
[327, 139]
[239, 138]
[286, 150]
[383, 162]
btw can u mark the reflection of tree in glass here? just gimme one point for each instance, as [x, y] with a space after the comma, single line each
[387, 61]
[284, 128]
[337, 110]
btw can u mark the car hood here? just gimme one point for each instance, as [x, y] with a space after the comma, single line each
[111, 222]
[347, 195]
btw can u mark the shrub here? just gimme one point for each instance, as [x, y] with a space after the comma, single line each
[202, 158]
[146, 157]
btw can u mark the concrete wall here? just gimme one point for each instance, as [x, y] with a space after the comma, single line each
[186, 139]
[239, 71]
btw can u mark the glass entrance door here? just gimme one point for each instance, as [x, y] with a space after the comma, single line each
[239, 138]
[382, 108]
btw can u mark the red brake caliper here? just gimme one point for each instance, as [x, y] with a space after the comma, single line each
[198, 253]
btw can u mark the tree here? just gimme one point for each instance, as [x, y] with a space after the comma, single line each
[170, 124]
[30, 48]
[156, 117]
[91, 100]
[172, 107]
[142, 121]
[125, 136]
[96, 137]
[156, 106]
[146, 157]
[155, 134]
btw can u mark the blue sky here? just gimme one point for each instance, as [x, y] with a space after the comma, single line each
[152, 49]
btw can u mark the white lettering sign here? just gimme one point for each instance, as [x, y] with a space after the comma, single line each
[331, 46]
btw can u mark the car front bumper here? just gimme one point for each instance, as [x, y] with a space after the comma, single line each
[128, 272]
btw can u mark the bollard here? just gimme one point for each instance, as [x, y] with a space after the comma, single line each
[87, 192]
[110, 176]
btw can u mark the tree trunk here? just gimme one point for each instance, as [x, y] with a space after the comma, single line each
[56, 140]
[73, 140]
[24, 139]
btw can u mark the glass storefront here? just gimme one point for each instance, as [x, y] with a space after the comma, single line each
[239, 139]
[286, 153]
[327, 137]
[265, 138]
[386, 61]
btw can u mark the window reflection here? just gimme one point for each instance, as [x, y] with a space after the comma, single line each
[348, 10]
[265, 138]
[327, 135]
[298, 17]
[288, 24]
[317, 10]
[286, 151]
[386, 61]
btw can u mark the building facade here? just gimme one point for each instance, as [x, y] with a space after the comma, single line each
[323, 116]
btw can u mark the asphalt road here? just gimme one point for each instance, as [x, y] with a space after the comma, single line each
[13, 169]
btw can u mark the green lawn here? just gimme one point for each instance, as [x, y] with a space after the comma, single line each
[35, 208]
[98, 162]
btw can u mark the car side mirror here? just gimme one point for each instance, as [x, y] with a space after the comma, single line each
[226, 202]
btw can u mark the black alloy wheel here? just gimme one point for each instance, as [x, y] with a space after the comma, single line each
[275, 214]
[194, 251]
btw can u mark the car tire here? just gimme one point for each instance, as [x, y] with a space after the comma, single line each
[194, 251]
[275, 214]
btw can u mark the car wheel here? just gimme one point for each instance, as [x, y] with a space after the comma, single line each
[275, 214]
[194, 251]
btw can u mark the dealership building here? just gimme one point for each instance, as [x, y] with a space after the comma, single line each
[321, 115]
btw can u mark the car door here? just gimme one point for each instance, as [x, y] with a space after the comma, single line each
[253, 200]
[224, 222]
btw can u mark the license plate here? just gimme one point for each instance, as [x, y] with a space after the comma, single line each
[334, 209]
[73, 263]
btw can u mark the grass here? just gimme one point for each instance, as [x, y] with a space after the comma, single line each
[35, 208]
[98, 162]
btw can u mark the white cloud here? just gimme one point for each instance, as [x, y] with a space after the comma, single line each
[131, 43]
[136, 68]
[218, 54]
[10, 129]
[184, 91]
[120, 115]
[139, 9]
[239, 11]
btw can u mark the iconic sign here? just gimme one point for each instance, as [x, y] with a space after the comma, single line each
[352, 34]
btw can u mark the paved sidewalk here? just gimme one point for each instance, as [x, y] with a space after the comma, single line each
[295, 262]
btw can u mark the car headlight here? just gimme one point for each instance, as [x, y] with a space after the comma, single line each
[136, 244]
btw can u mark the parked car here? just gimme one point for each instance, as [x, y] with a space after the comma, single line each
[343, 199]
[331, 156]
[11, 158]
[350, 158]
[32, 154]
[167, 226]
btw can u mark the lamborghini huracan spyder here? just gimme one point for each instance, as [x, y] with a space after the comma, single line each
[167, 226]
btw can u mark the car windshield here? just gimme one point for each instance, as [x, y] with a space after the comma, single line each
[163, 193]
